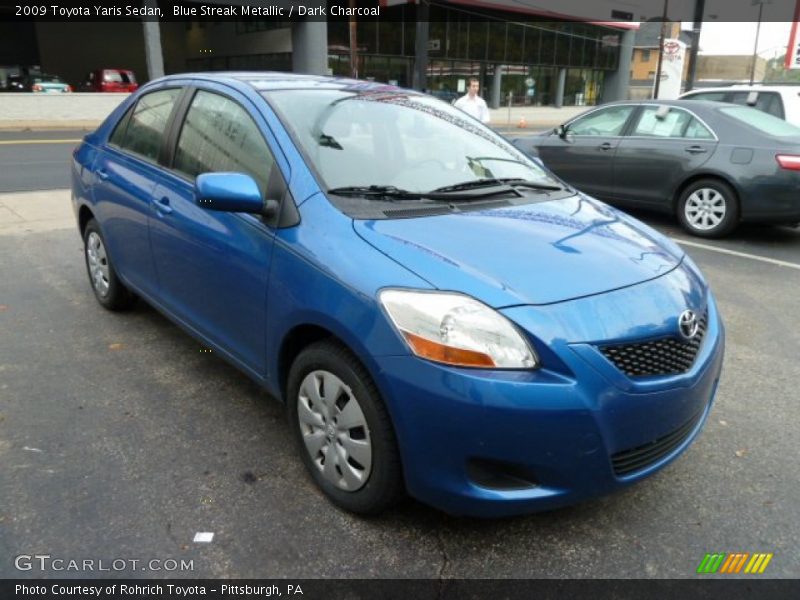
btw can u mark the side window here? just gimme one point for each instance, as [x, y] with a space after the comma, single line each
[653, 122]
[604, 122]
[697, 131]
[740, 98]
[768, 102]
[710, 96]
[118, 136]
[219, 135]
[142, 130]
[773, 104]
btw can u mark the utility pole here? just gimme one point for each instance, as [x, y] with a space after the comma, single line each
[419, 77]
[661, 48]
[755, 46]
[353, 42]
[699, 9]
[153, 54]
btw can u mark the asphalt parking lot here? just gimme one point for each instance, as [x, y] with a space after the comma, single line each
[121, 439]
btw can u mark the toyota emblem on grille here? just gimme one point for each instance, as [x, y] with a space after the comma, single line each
[688, 325]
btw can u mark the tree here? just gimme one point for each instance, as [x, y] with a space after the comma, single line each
[777, 73]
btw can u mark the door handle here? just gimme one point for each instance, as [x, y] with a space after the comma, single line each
[102, 174]
[163, 206]
[696, 150]
[605, 146]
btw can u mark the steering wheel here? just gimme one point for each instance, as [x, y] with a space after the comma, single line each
[592, 131]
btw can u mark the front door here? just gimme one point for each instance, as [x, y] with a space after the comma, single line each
[584, 156]
[213, 267]
[665, 146]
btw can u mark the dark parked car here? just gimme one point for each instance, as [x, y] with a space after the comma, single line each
[711, 164]
[15, 83]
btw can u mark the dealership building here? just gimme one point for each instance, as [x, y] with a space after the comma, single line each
[525, 55]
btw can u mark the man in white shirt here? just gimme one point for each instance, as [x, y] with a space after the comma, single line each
[472, 104]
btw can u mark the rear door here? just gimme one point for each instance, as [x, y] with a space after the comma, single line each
[126, 173]
[213, 266]
[664, 146]
[584, 157]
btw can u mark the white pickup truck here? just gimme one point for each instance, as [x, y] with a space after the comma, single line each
[782, 101]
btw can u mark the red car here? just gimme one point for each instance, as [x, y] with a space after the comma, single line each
[111, 80]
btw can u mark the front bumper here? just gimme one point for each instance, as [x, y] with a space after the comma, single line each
[562, 423]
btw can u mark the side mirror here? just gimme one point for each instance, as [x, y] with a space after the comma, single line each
[232, 192]
[564, 133]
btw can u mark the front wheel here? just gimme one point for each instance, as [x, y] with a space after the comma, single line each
[708, 208]
[343, 430]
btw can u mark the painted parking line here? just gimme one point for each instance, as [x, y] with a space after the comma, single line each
[772, 261]
[13, 142]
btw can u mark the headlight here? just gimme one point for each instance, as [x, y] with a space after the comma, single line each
[455, 329]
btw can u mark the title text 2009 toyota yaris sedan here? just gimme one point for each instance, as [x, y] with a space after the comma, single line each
[440, 314]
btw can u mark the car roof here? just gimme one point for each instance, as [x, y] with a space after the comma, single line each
[264, 81]
[685, 103]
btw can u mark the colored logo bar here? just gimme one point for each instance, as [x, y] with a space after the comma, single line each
[735, 562]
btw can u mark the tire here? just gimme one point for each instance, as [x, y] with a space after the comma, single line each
[106, 285]
[357, 463]
[708, 208]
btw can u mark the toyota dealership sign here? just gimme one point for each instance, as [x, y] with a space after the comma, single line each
[671, 69]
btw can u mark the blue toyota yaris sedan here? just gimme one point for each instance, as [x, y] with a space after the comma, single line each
[440, 314]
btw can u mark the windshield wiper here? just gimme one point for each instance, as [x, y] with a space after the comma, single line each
[492, 181]
[376, 191]
[442, 195]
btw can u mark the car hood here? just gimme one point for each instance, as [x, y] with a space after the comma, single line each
[537, 253]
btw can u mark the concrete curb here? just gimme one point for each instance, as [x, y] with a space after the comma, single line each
[85, 125]
[56, 111]
[42, 112]
[89, 125]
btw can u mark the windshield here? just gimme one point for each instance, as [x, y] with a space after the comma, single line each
[119, 76]
[762, 121]
[394, 138]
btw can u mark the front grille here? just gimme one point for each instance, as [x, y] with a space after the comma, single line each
[665, 356]
[628, 461]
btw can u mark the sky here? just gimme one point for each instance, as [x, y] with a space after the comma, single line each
[739, 38]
